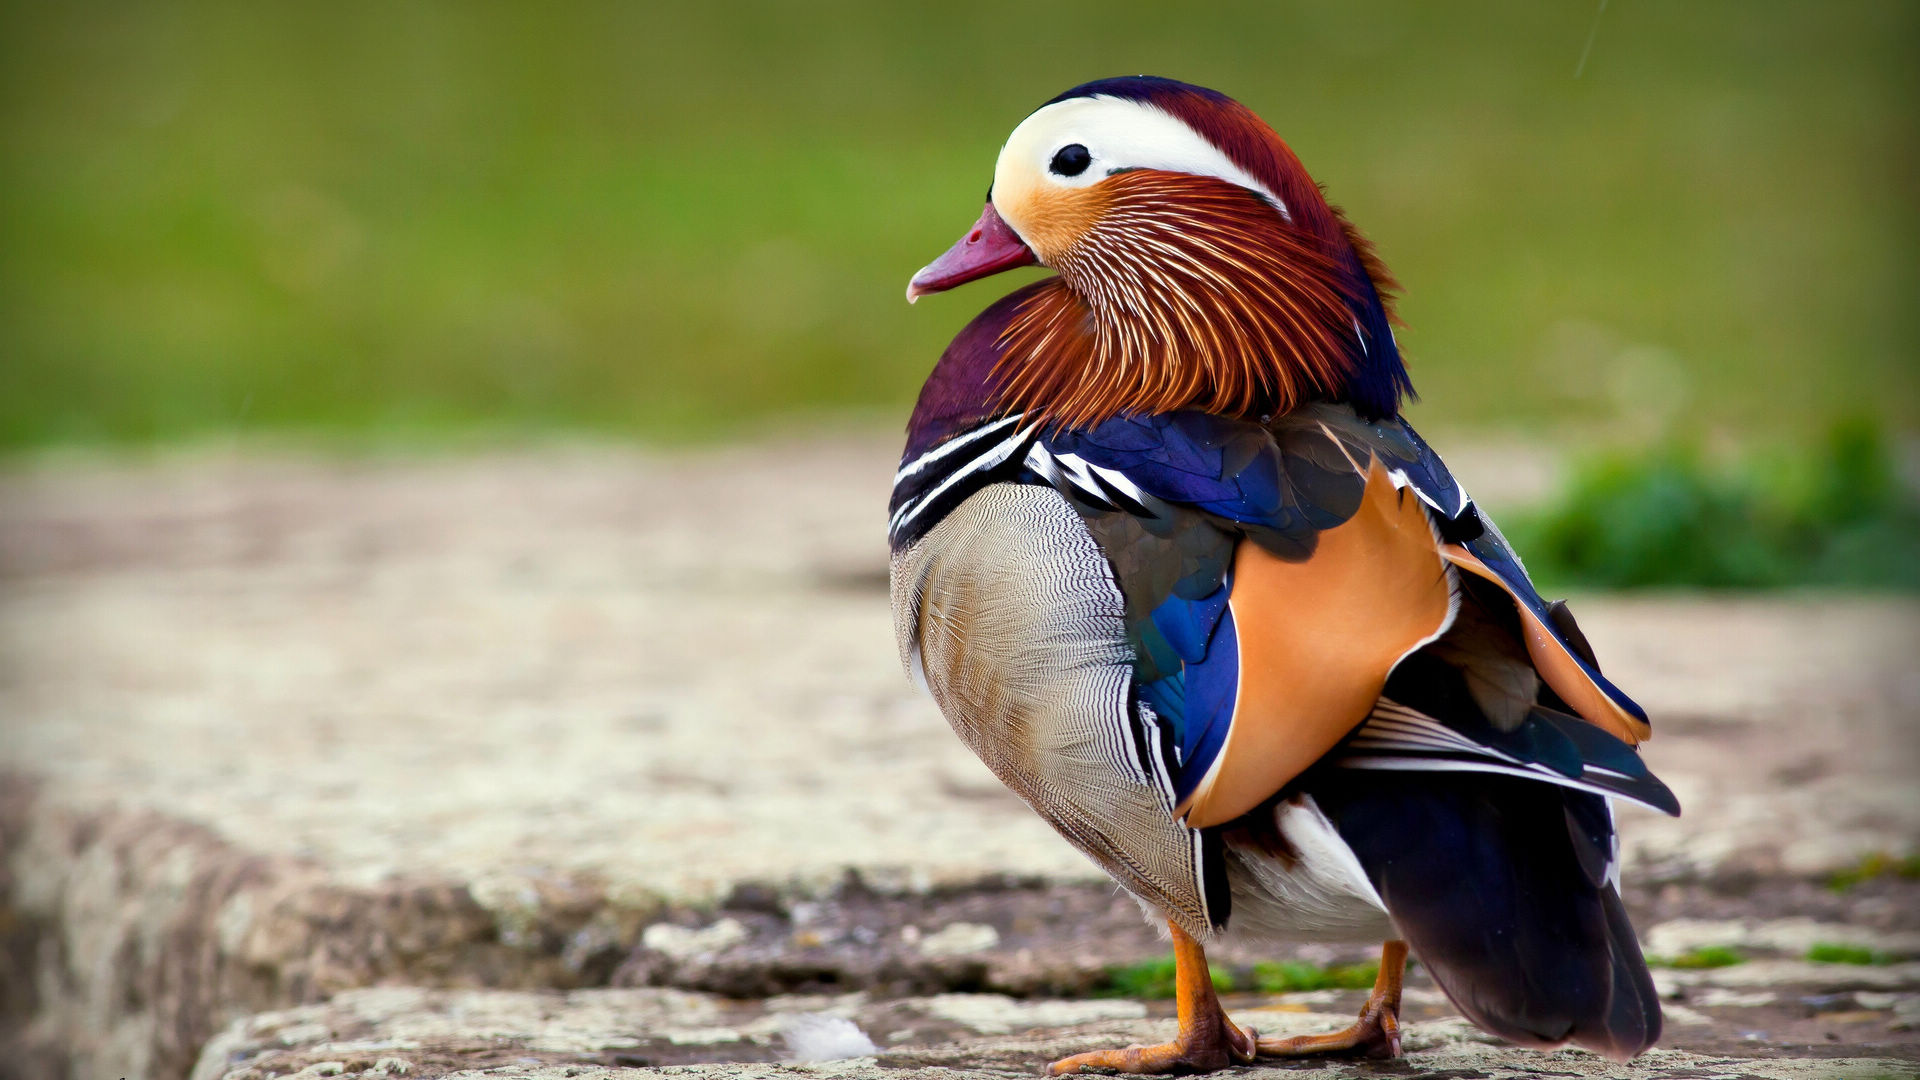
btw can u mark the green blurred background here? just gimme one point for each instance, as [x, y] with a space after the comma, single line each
[438, 222]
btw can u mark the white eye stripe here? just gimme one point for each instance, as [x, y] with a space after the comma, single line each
[1119, 135]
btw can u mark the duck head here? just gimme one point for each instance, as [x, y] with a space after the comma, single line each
[1199, 265]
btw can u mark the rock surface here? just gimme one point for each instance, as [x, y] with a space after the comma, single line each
[629, 1034]
[559, 720]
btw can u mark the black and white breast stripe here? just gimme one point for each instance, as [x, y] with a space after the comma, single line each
[929, 486]
[945, 450]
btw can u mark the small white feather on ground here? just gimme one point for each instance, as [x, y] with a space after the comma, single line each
[815, 1037]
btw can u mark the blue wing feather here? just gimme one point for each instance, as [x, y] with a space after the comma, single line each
[1188, 625]
[1198, 700]
[1212, 685]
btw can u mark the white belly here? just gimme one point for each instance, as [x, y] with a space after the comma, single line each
[1315, 891]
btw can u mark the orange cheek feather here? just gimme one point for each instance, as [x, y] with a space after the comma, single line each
[1052, 219]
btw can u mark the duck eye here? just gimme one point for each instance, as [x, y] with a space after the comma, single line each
[1071, 160]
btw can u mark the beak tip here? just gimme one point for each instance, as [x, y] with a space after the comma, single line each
[988, 248]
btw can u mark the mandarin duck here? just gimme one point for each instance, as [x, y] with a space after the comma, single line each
[1172, 564]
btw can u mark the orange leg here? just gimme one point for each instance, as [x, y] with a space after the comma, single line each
[1375, 1035]
[1207, 1039]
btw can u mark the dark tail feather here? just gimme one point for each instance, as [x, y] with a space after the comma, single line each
[1634, 1023]
[1494, 883]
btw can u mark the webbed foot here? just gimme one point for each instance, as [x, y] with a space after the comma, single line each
[1207, 1040]
[1375, 1035]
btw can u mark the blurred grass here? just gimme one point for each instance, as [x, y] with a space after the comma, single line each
[1156, 979]
[422, 220]
[1874, 867]
[1826, 952]
[1704, 957]
[1288, 976]
[1836, 516]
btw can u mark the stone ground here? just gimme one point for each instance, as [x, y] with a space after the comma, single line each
[583, 762]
